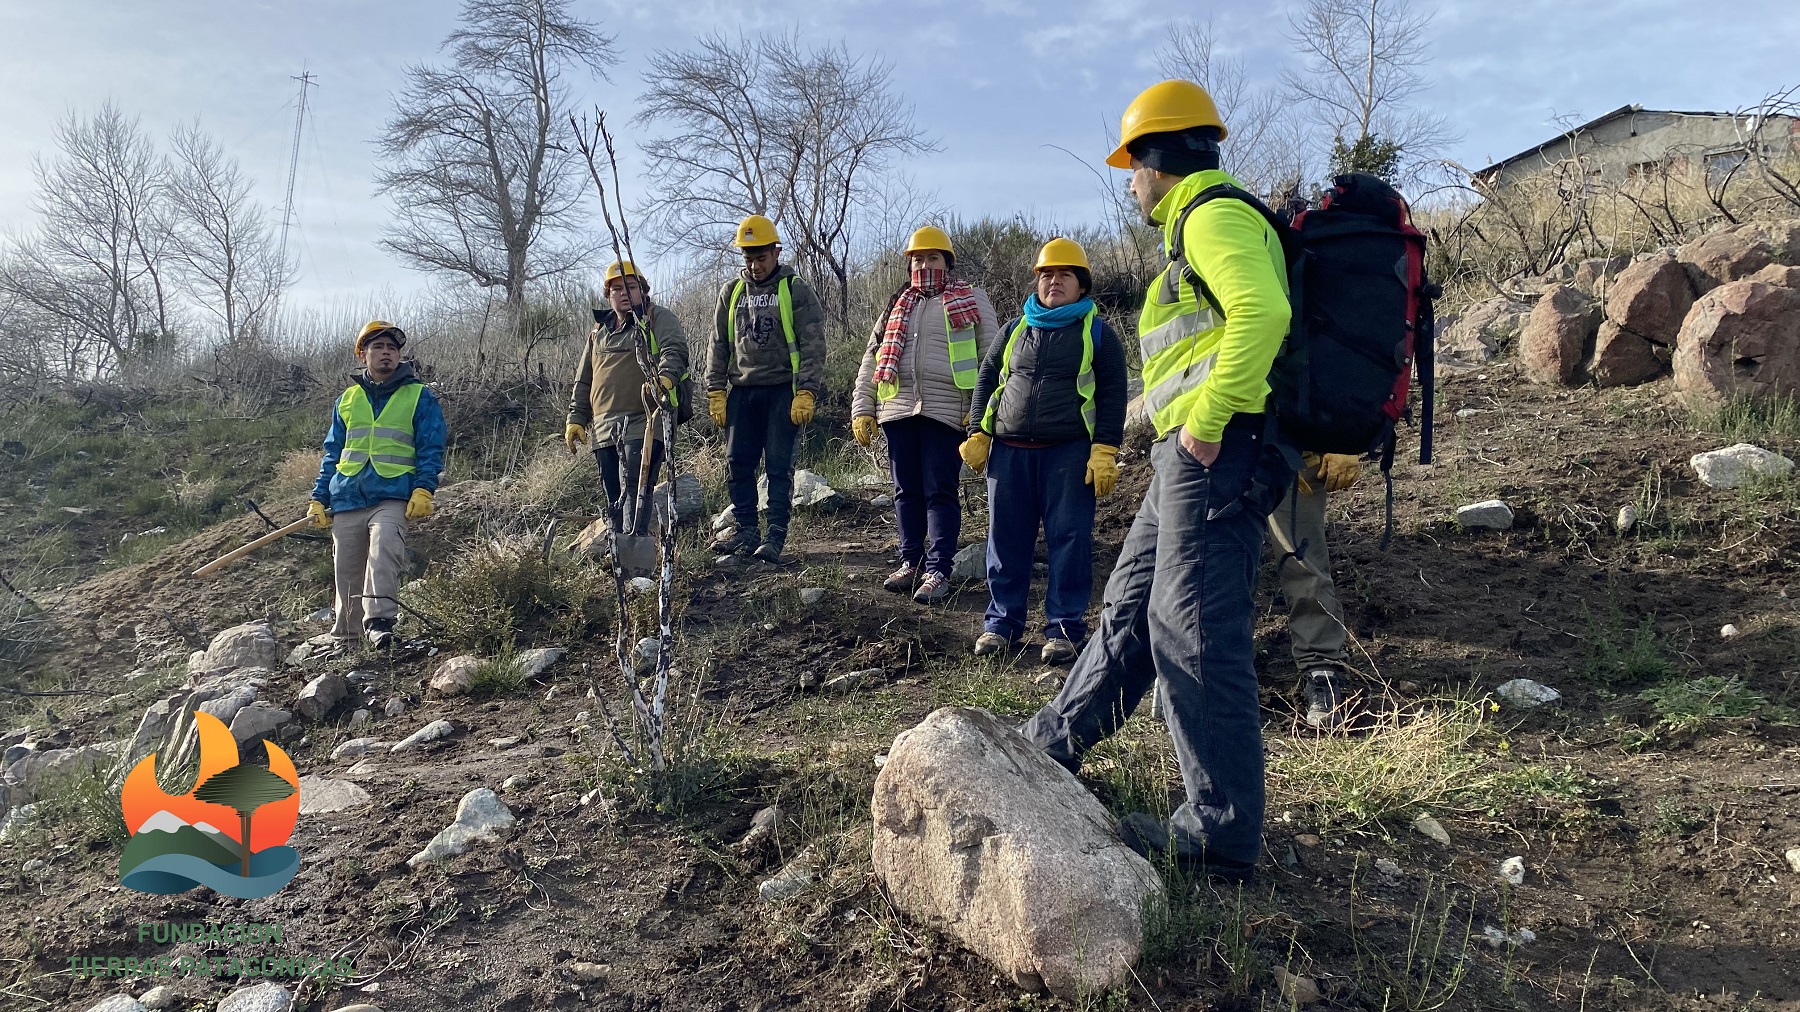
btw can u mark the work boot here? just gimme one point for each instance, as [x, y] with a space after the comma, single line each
[740, 541]
[1150, 837]
[1323, 691]
[380, 632]
[991, 643]
[901, 580]
[1058, 651]
[770, 550]
[934, 588]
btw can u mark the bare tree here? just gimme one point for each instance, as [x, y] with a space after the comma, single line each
[480, 189]
[1364, 69]
[94, 272]
[771, 126]
[220, 241]
[1266, 147]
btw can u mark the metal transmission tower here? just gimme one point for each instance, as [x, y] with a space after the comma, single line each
[287, 207]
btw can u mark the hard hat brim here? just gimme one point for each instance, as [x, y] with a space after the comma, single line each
[1120, 158]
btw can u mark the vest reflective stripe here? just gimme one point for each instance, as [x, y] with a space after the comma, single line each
[965, 363]
[387, 441]
[1084, 380]
[785, 300]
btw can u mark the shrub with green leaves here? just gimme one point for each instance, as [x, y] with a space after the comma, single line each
[1689, 707]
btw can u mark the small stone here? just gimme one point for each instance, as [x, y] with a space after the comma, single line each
[1500, 939]
[1048, 679]
[644, 657]
[33, 866]
[268, 997]
[536, 661]
[481, 817]
[1425, 825]
[1735, 465]
[433, 731]
[593, 797]
[1387, 867]
[763, 827]
[456, 676]
[1469, 412]
[1491, 515]
[509, 741]
[1307, 840]
[118, 1003]
[853, 680]
[361, 718]
[791, 880]
[356, 748]
[321, 696]
[1793, 859]
[1627, 519]
[812, 595]
[360, 1006]
[161, 996]
[1512, 871]
[319, 795]
[395, 706]
[641, 585]
[808, 681]
[589, 973]
[723, 520]
[516, 782]
[882, 502]
[300, 654]
[1525, 693]
[257, 721]
[1727, 631]
[970, 564]
[1295, 989]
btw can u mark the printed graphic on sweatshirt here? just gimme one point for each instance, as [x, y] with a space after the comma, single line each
[763, 313]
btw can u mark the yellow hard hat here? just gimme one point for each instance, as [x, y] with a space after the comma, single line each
[1161, 109]
[756, 230]
[619, 269]
[1062, 252]
[374, 327]
[929, 237]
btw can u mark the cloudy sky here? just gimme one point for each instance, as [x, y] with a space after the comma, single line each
[997, 82]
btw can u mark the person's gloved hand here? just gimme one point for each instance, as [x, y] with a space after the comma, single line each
[653, 396]
[1340, 470]
[715, 406]
[802, 410]
[863, 428]
[574, 434]
[1103, 469]
[419, 506]
[316, 511]
[974, 451]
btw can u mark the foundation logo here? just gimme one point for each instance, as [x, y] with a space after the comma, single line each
[229, 833]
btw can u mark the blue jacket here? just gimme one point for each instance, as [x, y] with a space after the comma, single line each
[342, 493]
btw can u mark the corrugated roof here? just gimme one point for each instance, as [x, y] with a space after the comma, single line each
[1624, 110]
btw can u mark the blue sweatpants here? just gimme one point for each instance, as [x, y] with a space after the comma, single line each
[1029, 487]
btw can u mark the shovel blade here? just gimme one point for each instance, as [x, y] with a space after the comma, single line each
[636, 554]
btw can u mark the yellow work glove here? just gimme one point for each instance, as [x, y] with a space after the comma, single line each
[974, 451]
[802, 410]
[574, 434]
[1103, 469]
[1341, 470]
[651, 395]
[419, 506]
[715, 406]
[317, 512]
[863, 428]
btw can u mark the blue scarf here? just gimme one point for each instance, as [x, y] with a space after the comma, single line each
[1044, 318]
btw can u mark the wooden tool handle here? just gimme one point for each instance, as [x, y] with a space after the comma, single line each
[237, 553]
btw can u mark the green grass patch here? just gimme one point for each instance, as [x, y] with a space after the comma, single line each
[1693, 706]
[494, 592]
[1764, 421]
[83, 806]
[1620, 653]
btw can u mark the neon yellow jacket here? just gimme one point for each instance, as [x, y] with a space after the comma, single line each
[1230, 246]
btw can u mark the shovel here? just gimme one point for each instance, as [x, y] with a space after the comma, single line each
[636, 552]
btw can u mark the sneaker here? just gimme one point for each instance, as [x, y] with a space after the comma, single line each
[739, 541]
[380, 632]
[934, 588]
[1058, 651]
[901, 580]
[1323, 691]
[1150, 837]
[991, 643]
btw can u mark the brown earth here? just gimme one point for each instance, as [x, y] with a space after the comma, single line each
[1655, 870]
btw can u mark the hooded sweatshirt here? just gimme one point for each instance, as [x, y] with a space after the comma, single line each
[343, 493]
[760, 357]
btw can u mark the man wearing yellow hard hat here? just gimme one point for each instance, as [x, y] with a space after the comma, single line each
[1179, 605]
[764, 376]
[1050, 415]
[383, 455]
[610, 405]
[917, 377]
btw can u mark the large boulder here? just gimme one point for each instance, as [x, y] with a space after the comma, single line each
[1724, 257]
[1779, 275]
[1623, 359]
[1781, 237]
[983, 836]
[251, 645]
[1741, 340]
[1557, 336]
[1595, 276]
[1651, 298]
[1482, 331]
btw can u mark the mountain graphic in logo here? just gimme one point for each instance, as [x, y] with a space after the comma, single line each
[177, 842]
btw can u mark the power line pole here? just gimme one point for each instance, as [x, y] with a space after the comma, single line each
[287, 207]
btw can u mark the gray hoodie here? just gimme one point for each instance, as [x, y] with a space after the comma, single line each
[760, 358]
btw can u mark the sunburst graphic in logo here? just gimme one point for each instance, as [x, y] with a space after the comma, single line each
[229, 833]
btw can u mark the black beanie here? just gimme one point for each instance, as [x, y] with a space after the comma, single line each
[1181, 153]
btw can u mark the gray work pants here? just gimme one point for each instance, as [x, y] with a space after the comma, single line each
[1315, 618]
[368, 554]
[1179, 615]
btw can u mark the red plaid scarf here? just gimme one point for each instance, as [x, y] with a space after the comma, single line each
[927, 283]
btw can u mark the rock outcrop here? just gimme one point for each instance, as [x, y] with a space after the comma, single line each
[1741, 340]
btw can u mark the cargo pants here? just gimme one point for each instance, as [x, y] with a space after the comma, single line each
[1316, 630]
[368, 554]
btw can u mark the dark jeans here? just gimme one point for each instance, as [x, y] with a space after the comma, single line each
[759, 430]
[922, 455]
[619, 465]
[1179, 615]
[1025, 487]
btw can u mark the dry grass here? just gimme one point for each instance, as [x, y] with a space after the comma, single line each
[297, 471]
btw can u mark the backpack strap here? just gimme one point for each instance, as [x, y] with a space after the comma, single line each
[1178, 256]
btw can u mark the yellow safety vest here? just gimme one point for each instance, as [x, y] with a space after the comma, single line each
[387, 441]
[1084, 380]
[965, 362]
[786, 300]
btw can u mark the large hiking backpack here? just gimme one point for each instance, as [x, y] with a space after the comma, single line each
[1362, 320]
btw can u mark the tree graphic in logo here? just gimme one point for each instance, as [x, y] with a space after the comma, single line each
[176, 840]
